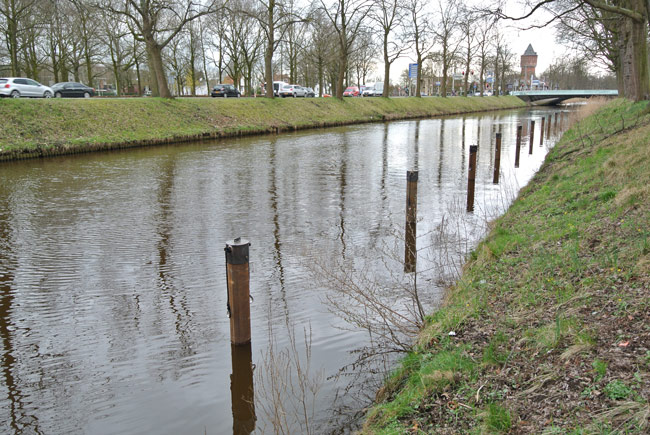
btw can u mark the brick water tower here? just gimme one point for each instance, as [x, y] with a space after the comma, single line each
[528, 64]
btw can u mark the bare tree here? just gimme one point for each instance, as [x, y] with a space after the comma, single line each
[420, 33]
[388, 16]
[346, 17]
[484, 36]
[16, 14]
[322, 44]
[274, 17]
[87, 28]
[594, 33]
[446, 32]
[365, 56]
[467, 25]
[158, 22]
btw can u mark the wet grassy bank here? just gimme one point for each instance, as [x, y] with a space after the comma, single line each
[37, 128]
[551, 318]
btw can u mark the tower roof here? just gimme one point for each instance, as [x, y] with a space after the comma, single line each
[529, 51]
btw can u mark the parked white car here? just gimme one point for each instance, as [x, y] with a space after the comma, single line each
[293, 91]
[16, 87]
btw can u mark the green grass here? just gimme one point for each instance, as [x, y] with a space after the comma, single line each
[61, 124]
[553, 306]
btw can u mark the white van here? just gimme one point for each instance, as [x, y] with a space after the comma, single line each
[375, 90]
[277, 86]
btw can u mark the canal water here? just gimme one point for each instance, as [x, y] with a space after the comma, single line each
[112, 273]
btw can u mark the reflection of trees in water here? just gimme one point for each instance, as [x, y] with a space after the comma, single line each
[342, 190]
[176, 297]
[277, 243]
[18, 420]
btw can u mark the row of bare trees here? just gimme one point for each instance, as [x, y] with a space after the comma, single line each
[327, 44]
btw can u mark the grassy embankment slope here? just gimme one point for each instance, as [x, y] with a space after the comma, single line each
[552, 314]
[31, 128]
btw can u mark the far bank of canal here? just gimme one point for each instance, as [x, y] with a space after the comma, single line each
[43, 128]
[112, 276]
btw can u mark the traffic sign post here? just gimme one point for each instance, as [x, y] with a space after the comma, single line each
[413, 74]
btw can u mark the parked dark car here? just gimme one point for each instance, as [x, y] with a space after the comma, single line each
[72, 90]
[225, 91]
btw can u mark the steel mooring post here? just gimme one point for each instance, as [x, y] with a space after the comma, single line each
[410, 253]
[541, 133]
[471, 177]
[532, 137]
[497, 160]
[517, 148]
[238, 281]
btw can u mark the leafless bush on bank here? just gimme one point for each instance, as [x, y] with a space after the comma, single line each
[287, 387]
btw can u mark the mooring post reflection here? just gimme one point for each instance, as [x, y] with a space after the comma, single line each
[497, 160]
[548, 127]
[471, 177]
[532, 137]
[411, 221]
[518, 146]
[242, 393]
[238, 277]
[541, 132]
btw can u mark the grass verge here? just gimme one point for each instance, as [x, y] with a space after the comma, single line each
[552, 312]
[35, 128]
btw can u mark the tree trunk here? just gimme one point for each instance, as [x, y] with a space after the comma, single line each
[153, 83]
[634, 60]
[268, 68]
[418, 79]
[12, 30]
[155, 56]
[137, 72]
[445, 67]
[386, 66]
[320, 76]
[343, 58]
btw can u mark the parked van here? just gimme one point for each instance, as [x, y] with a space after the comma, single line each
[374, 90]
[277, 86]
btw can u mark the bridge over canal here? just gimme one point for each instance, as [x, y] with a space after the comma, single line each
[550, 97]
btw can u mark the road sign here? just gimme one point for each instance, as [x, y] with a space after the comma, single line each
[413, 70]
[458, 76]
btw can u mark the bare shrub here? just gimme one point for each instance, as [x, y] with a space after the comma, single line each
[287, 388]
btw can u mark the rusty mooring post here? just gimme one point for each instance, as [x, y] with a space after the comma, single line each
[555, 129]
[518, 146]
[497, 160]
[471, 177]
[410, 253]
[242, 394]
[238, 280]
[532, 137]
[541, 133]
[548, 127]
